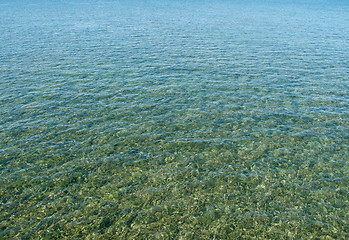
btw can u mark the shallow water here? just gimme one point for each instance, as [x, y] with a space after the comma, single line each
[174, 119]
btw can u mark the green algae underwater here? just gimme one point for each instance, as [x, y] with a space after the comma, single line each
[174, 120]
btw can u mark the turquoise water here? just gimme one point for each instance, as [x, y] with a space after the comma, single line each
[174, 119]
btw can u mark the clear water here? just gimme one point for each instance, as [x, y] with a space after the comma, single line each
[174, 119]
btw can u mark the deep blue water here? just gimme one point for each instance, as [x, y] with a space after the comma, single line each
[174, 119]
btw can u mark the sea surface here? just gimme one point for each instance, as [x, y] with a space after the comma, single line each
[148, 119]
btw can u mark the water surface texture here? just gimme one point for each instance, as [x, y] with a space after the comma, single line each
[174, 119]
